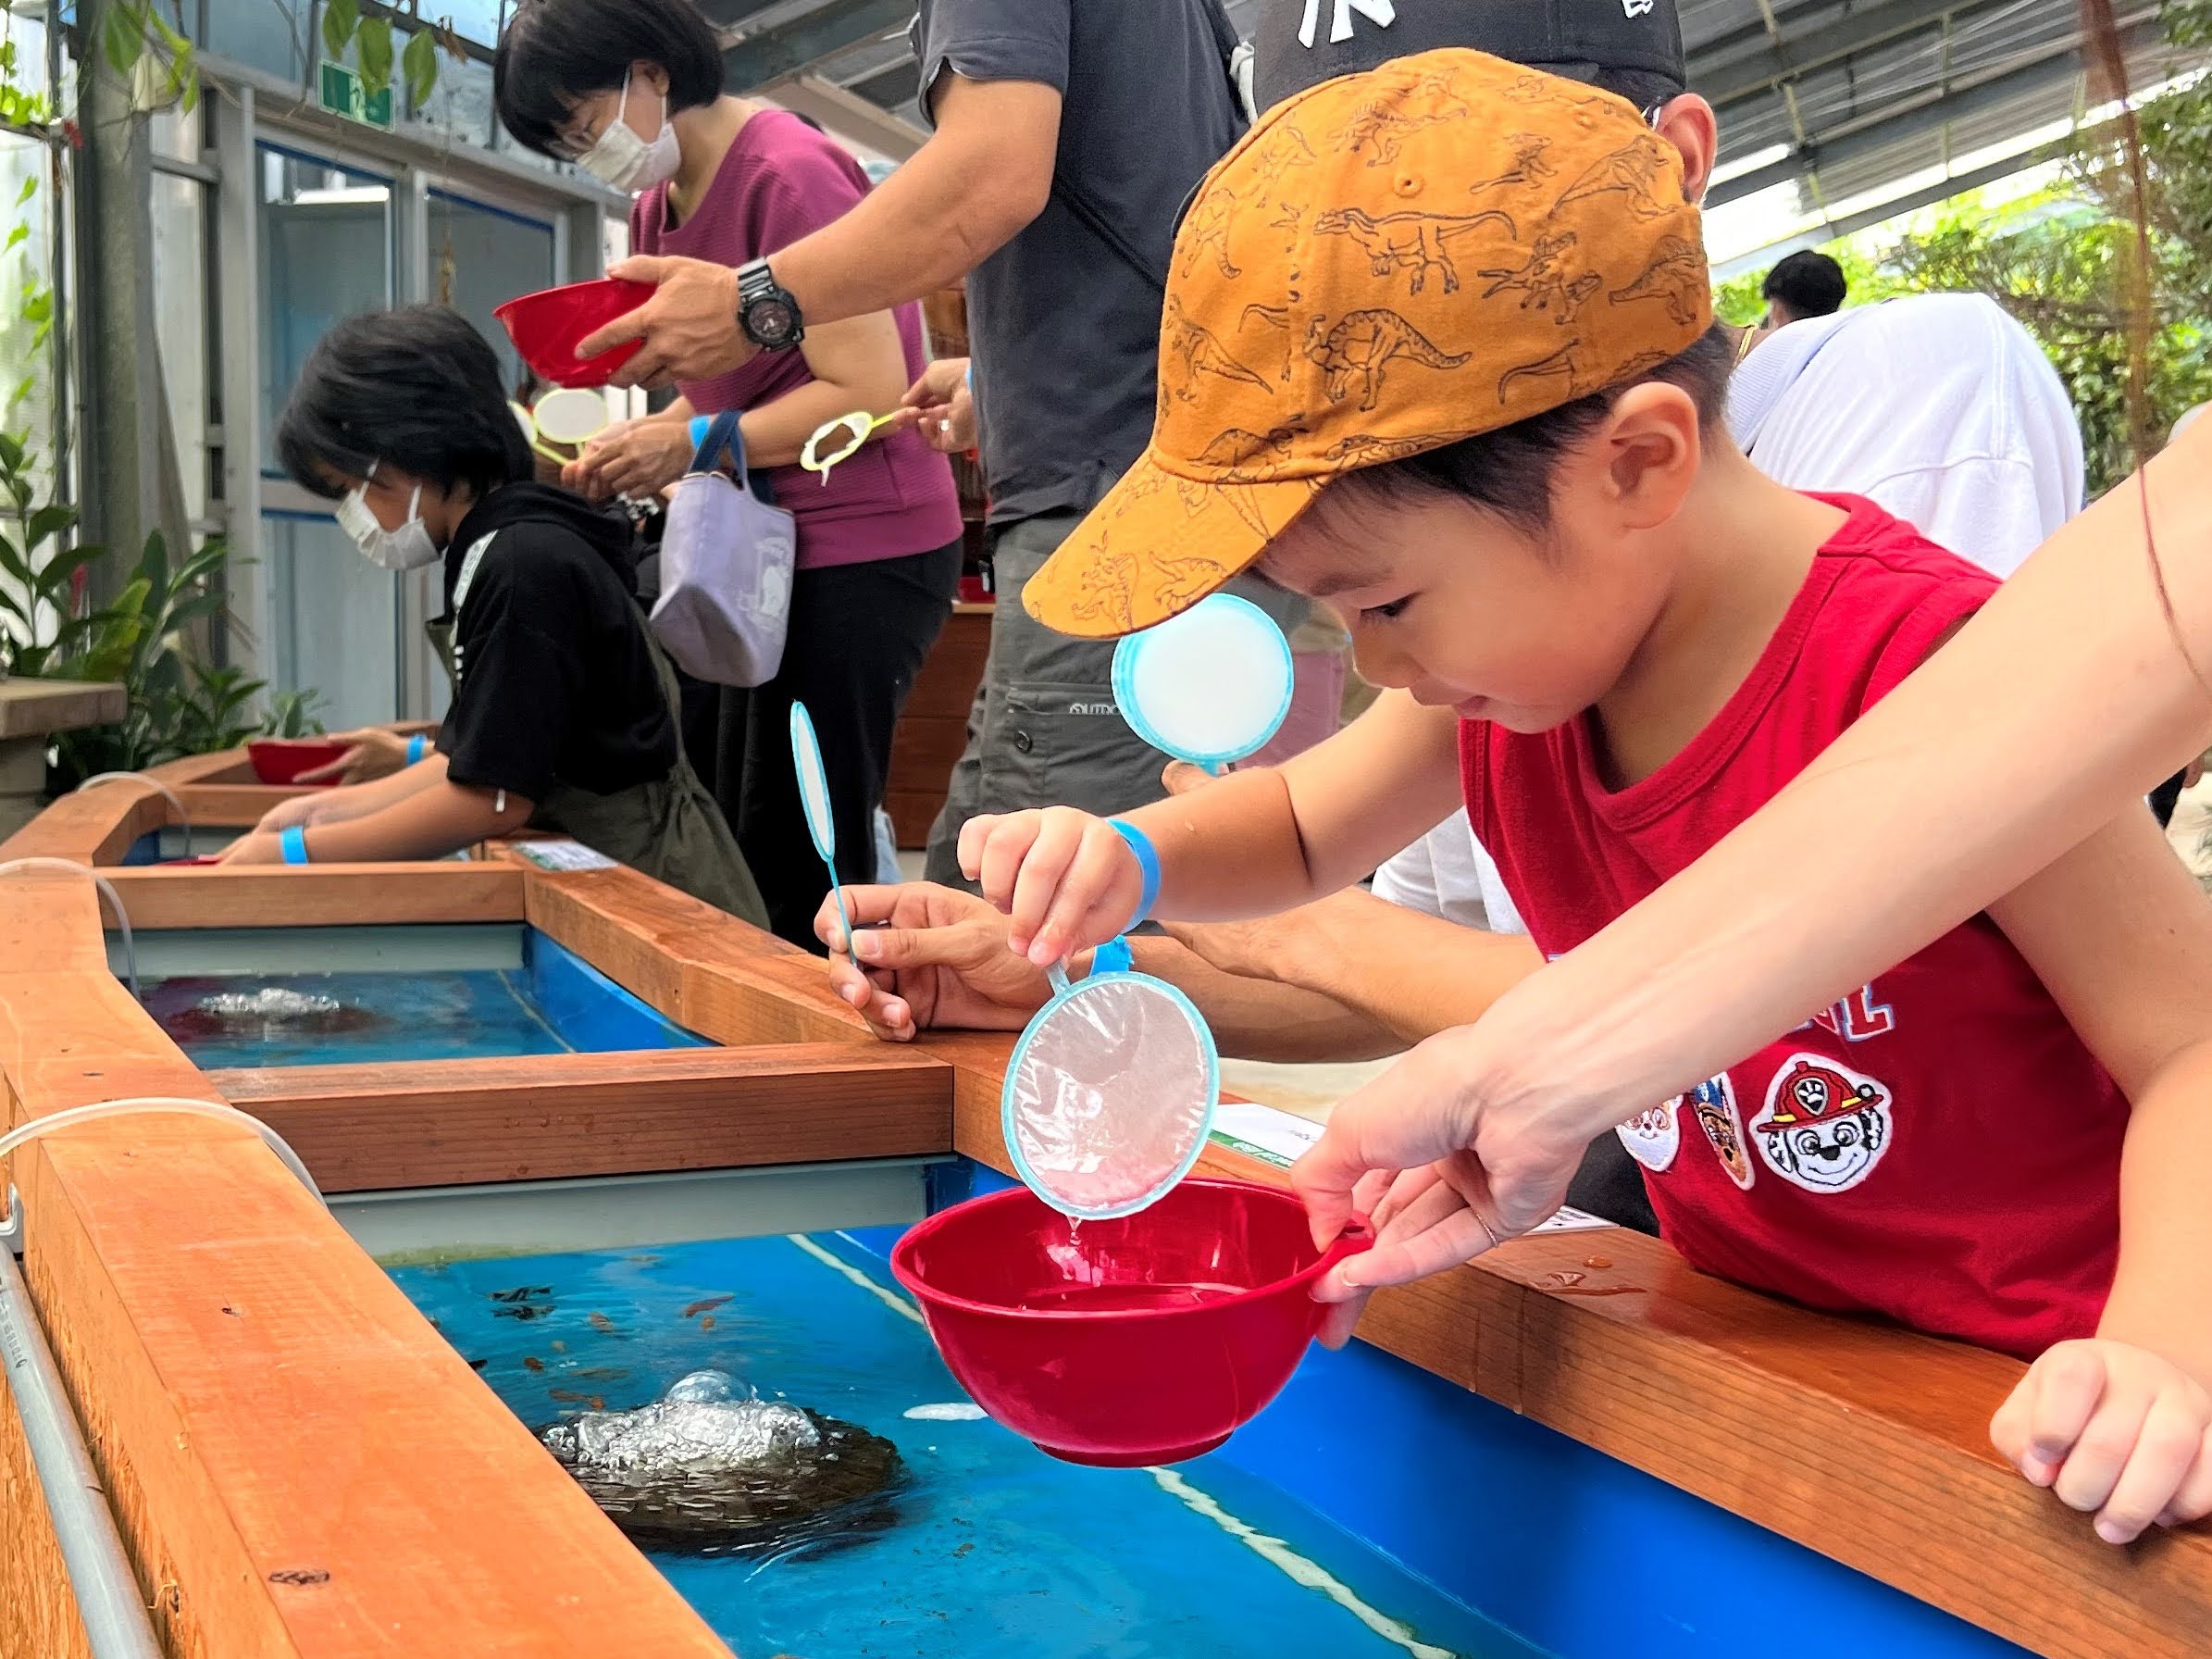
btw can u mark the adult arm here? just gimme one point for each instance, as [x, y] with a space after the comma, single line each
[2064, 699]
[1411, 974]
[986, 172]
[935, 958]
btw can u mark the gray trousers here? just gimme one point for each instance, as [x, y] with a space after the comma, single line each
[1044, 730]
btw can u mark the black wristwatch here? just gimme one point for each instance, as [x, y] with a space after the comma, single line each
[765, 310]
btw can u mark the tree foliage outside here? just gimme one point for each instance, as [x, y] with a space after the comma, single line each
[2060, 261]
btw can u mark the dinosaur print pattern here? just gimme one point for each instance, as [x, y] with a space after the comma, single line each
[1542, 281]
[1531, 165]
[1195, 348]
[1634, 171]
[1675, 275]
[1380, 123]
[1207, 230]
[1416, 241]
[1582, 381]
[1360, 348]
[1364, 449]
[1251, 457]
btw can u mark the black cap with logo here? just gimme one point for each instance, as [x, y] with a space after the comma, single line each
[1298, 43]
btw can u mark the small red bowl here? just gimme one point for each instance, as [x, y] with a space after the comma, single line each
[282, 759]
[547, 325]
[1146, 1339]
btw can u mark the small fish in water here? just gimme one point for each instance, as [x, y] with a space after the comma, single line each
[707, 1323]
[705, 1304]
[532, 1365]
[715, 1469]
[573, 1398]
[560, 1347]
[599, 1322]
[520, 1293]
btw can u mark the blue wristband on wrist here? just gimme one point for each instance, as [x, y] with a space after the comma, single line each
[1112, 957]
[700, 424]
[293, 842]
[416, 745]
[971, 374]
[1148, 860]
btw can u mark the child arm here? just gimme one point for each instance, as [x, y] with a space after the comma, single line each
[1254, 844]
[2121, 1423]
[427, 822]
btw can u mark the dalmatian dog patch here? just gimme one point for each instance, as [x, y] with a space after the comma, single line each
[1824, 1126]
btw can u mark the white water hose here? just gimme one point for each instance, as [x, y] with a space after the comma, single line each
[115, 902]
[183, 817]
[153, 1103]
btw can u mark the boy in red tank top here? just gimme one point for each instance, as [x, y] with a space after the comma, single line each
[1438, 349]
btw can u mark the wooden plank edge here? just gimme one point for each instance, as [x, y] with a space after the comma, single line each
[320, 895]
[197, 1299]
[459, 1122]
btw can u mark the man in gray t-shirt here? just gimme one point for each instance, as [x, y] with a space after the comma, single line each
[1066, 134]
[1064, 327]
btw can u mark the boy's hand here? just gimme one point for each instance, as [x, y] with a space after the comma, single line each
[1065, 879]
[2114, 1428]
[934, 958]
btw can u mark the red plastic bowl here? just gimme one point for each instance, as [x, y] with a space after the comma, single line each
[547, 325]
[1143, 1340]
[282, 759]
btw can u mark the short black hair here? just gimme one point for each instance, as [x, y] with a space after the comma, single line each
[415, 388]
[1807, 284]
[554, 54]
[1509, 471]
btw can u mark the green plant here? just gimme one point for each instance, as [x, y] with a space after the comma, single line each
[372, 37]
[292, 714]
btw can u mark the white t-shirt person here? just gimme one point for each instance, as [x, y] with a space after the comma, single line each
[1940, 407]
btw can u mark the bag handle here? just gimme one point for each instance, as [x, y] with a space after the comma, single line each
[722, 433]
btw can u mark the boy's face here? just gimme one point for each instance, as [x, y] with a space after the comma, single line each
[1466, 609]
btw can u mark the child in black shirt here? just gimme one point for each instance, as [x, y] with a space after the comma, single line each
[561, 717]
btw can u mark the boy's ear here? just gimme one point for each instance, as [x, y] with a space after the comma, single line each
[1652, 450]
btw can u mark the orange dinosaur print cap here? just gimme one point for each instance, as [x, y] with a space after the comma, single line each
[1386, 264]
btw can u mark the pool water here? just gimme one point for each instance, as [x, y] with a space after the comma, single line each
[354, 1018]
[508, 992]
[988, 1549]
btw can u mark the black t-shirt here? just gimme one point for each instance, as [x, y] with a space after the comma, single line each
[557, 681]
[1064, 319]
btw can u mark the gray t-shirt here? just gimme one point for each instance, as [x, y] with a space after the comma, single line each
[1063, 321]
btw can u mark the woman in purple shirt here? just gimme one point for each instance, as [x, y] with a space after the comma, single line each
[631, 91]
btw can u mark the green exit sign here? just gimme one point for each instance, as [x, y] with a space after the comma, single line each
[339, 91]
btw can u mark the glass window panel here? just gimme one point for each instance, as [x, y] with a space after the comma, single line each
[181, 323]
[335, 622]
[270, 35]
[326, 254]
[460, 104]
[481, 257]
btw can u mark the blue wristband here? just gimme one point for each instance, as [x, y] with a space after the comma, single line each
[699, 426]
[1112, 957]
[293, 840]
[971, 374]
[416, 745]
[1148, 860]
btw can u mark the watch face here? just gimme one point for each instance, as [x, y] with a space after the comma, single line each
[770, 321]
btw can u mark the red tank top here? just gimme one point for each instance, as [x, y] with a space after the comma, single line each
[1939, 1147]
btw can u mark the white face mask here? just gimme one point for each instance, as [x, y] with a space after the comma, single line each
[407, 548]
[619, 157]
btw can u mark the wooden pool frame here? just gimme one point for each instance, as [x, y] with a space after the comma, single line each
[301, 1466]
